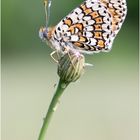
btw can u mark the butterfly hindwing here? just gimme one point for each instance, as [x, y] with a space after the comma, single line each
[90, 27]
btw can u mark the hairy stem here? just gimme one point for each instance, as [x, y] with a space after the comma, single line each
[59, 91]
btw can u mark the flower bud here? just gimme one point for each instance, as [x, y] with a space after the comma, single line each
[71, 66]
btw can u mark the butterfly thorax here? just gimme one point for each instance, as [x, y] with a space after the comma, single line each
[46, 35]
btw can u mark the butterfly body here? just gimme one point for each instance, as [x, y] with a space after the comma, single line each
[89, 28]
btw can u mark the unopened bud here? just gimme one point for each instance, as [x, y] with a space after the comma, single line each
[71, 66]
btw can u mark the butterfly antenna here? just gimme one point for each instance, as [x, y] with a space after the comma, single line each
[47, 5]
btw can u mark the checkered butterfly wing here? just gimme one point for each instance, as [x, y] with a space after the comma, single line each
[92, 26]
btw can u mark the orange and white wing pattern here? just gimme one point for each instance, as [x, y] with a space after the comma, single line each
[91, 27]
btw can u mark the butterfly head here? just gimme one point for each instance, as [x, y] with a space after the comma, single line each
[45, 33]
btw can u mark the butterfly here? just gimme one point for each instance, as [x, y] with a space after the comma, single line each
[89, 28]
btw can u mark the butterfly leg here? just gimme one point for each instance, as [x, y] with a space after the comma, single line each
[67, 51]
[52, 56]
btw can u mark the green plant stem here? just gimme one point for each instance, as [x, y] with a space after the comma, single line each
[59, 91]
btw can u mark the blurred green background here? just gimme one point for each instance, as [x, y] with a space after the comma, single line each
[102, 105]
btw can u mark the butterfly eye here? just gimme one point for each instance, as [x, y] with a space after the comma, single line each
[43, 33]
